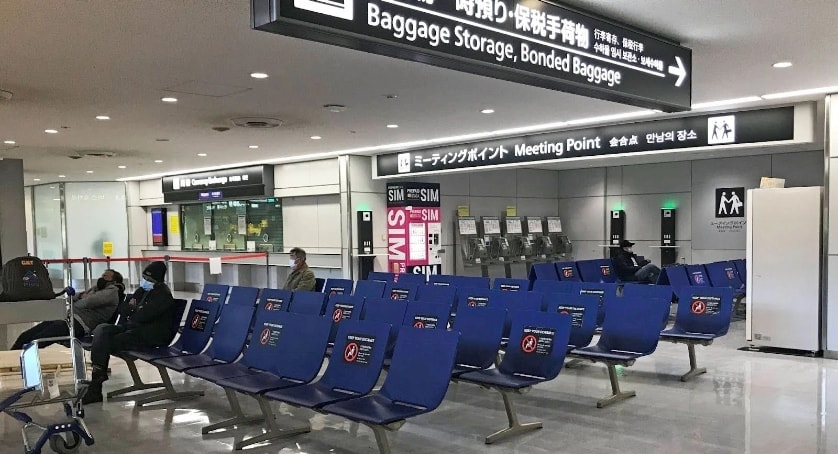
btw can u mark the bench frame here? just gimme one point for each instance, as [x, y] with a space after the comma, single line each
[617, 395]
[690, 343]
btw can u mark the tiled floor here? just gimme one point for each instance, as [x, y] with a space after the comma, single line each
[747, 402]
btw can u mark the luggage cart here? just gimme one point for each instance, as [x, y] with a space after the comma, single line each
[66, 434]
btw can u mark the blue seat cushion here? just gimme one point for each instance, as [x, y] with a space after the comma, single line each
[314, 395]
[375, 409]
[220, 371]
[256, 383]
[677, 333]
[495, 377]
[152, 353]
[182, 363]
[596, 353]
[460, 369]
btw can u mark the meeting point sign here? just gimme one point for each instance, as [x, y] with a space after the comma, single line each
[527, 41]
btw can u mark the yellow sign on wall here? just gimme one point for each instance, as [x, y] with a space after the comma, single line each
[174, 225]
[107, 248]
[462, 210]
[511, 211]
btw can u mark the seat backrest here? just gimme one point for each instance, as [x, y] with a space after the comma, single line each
[272, 299]
[427, 315]
[198, 328]
[603, 290]
[675, 276]
[341, 308]
[598, 270]
[381, 276]
[632, 324]
[358, 356]
[543, 271]
[472, 297]
[180, 307]
[421, 368]
[480, 336]
[386, 311]
[215, 293]
[663, 292]
[704, 310]
[337, 287]
[437, 294]
[698, 276]
[290, 345]
[514, 303]
[400, 291]
[306, 302]
[409, 279]
[470, 281]
[583, 313]
[724, 274]
[440, 279]
[510, 285]
[537, 344]
[243, 296]
[231, 332]
[319, 282]
[567, 271]
[369, 289]
[555, 286]
[741, 268]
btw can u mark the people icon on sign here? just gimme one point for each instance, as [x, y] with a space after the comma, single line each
[730, 205]
[735, 204]
[726, 130]
[723, 203]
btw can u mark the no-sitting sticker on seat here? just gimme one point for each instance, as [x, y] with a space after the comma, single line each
[399, 294]
[705, 305]
[337, 291]
[273, 304]
[213, 297]
[605, 270]
[698, 277]
[358, 349]
[269, 334]
[342, 312]
[477, 301]
[199, 319]
[567, 272]
[577, 313]
[537, 340]
[510, 287]
[425, 321]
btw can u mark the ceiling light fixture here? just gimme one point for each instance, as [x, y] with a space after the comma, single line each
[102, 117]
[88, 171]
[781, 64]
[162, 140]
[726, 102]
[51, 131]
[392, 126]
[253, 147]
[121, 167]
[316, 137]
[158, 161]
[259, 75]
[335, 108]
[9, 142]
[62, 176]
[798, 93]
[168, 99]
[36, 179]
[487, 111]
[202, 154]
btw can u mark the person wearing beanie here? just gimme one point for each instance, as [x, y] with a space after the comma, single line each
[147, 316]
[630, 269]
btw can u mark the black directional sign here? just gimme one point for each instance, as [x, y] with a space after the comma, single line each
[527, 41]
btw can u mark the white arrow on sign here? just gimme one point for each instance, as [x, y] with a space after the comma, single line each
[679, 71]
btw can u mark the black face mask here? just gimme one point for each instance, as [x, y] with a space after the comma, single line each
[102, 283]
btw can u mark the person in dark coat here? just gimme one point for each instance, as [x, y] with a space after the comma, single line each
[149, 312]
[300, 276]
[629, 268]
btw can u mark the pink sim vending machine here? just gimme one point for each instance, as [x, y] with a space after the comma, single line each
[413, 228]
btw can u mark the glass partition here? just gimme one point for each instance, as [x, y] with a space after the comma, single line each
[234, 225]
[49, 244]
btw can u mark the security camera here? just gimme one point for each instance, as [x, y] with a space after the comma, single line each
[220, 128]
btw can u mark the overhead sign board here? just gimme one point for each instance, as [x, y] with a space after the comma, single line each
[754, 126]
[532, 42]
[219, 184]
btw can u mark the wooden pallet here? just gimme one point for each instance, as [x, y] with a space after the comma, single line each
[54, 359]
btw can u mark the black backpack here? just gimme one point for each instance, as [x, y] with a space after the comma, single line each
[25, 278]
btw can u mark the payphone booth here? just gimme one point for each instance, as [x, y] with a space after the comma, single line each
[472, 247]
[493, 236]
[543, 248]
[562, 247]
[520, 245]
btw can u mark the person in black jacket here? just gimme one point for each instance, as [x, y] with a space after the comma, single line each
[629, 268]
[149, 313]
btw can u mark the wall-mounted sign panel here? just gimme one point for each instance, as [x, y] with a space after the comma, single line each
[753, 126]
[414, 228]
[526, 41]
[220, 184]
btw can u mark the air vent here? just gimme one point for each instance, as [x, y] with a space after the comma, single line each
[100, 154]
[256, 122]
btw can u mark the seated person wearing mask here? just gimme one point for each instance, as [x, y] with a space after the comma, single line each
[630, 269]
[148, 314]
[300, 277]
[90, 309]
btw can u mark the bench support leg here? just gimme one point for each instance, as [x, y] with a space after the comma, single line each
[169, 393]
[238, 415]
[694, 370]
[575, 362]
[272, 429]
[138, 382]
[515, 427]
[616, 394]
[381, 435]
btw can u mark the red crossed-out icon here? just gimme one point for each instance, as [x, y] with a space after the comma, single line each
[265, 336]
[567, 272]
[698, 307]
[350, 353]
[337, 315]
[196, 321]
[394, 296]
[528, 343]
[269, 306]
[472, 303]
[418, 324]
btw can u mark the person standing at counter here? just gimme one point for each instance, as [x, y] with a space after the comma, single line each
[300, 277]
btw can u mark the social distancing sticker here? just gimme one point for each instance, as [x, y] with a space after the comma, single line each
[705, 305]
[342, 312]
[358, 350]
[567, 272]
[577, 313]
[337, 291]
[537, 340]
[477, 301]
[510, 287]
[425, 321]
[269, 334]
[274, 304]
[399, 294]
[213, 297]
[199, 319]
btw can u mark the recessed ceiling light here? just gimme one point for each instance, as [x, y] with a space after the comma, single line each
[335, 108]
[259, 75]
[168, 99]
[51, 131]
[202, 154]
[316, 137]
[487, 111]
[9, 142]
[393, 126]
[88, 171]
[158, 161]
[782, 64]
[253, 147]
[62, 176]
[391, 96]
[102, 117]
[36, 179]
[121, 167]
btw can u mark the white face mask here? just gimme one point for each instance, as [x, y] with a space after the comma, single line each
[292, 263]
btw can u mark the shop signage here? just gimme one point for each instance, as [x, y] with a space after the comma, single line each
[220, 184]
[714, 130]
[414, 228]
[532, 42]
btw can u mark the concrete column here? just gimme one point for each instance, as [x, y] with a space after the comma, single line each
[12, 227]
[829, 313]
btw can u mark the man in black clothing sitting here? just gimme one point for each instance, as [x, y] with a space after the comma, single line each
[630, 269]
[148, 312]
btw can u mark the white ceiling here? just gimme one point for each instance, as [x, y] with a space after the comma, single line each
[68, 61]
